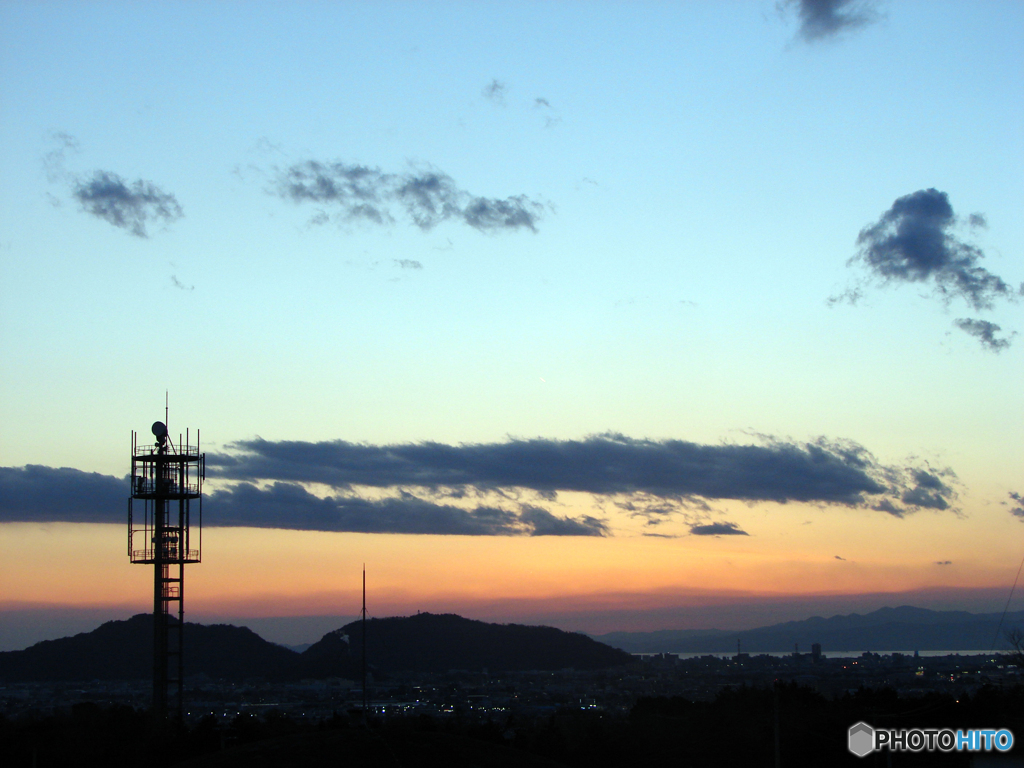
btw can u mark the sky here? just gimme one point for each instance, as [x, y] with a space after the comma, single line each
[608, 316]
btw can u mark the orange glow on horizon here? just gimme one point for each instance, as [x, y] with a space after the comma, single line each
[269, 572]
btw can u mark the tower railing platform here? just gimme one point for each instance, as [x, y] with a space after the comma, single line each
[149, 487]
[169, 556]
[180, 453]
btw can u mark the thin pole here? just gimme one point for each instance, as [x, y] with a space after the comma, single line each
[364, 642]
[778, 757]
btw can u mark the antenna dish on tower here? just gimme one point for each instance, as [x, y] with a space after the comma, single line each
[159, 429]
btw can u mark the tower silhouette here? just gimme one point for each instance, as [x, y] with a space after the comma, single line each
[166, 480]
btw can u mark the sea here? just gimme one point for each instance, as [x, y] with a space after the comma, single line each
[832, 655]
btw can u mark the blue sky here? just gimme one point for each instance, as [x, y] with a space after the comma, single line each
[694, 178]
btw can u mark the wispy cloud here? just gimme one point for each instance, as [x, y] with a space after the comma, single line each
[824, 19]
[427, 197]
[985, 332]
[943, 562]
[551, 118]
[54, 161]
[126, 205]
[823, 471]
[495, 91]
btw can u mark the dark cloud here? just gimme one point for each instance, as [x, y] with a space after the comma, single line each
[885, 505]
[840, 558]
[128, 206]
[433, 488]
[829, 472]
[47, 494]
[821, 19]
[356, 188]
[914, 242]
[546, 524]
[428, 197]
[1018, 510]
[180, 285]
[495, 91]
[717, 529]
[985, 332]
[408, 264]
[929, 492]
[511, 213]
[287, 505]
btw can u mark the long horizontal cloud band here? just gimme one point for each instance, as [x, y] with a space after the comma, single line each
[47, 494]
[822, 471]
[266, 484]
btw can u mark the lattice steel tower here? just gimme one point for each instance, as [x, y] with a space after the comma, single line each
[166, 480]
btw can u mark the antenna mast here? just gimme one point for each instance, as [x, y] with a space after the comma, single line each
[364, 642]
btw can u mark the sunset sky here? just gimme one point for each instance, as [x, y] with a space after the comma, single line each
[610, 315]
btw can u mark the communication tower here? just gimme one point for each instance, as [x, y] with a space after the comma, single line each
[165, 530]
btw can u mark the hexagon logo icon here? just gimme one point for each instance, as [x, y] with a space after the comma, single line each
[861, 739]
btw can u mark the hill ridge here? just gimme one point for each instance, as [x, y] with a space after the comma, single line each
[122, 650]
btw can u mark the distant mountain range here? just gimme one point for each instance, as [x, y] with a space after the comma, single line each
[122, 650]
[888, 629]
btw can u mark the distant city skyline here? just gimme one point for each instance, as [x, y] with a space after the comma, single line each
[613, 316]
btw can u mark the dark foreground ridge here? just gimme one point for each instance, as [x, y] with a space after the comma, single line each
[784, 724]
[122, 650]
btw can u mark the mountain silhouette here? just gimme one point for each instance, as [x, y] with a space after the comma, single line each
[123, 650]
[430, 642]
[904, 628]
